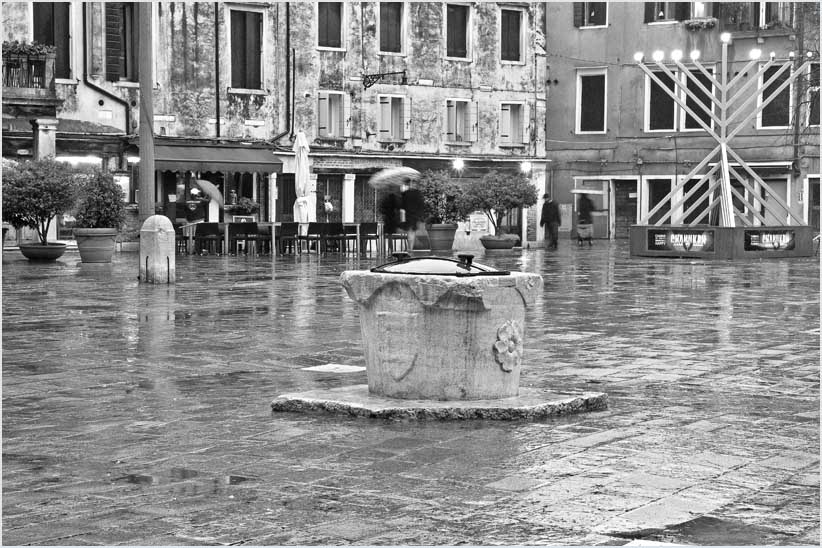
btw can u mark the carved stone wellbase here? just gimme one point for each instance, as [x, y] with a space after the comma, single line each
[442, 337]
[357, 401]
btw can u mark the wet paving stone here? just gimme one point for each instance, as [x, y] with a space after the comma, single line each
[140, 415]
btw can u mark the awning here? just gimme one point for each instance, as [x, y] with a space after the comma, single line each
[215, 158]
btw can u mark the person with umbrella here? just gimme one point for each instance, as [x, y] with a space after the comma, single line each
[402, 207]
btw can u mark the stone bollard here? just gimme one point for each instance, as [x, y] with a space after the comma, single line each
[157, 251]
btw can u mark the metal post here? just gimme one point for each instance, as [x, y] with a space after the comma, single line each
[146, 128]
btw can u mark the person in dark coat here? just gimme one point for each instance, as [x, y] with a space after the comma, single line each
[550, 219]
[403, 211]
[585, 231]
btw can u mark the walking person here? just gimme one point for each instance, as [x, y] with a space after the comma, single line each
[551, 220]
[585, 229]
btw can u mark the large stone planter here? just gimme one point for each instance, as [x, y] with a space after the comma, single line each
[43, 252]
[441, 236]
[442, 337]
[96, 245]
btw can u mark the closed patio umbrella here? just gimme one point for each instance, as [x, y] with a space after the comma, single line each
[301, 205]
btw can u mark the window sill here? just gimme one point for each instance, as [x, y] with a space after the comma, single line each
[459, 143]
[330, 140]
[126, 84]
[244, 91]
[588, 27]
[329, 48]
[511, 145]
[459, 59]
[392, 53]
[512, 63]
[392, 141]
[591, 132]
[665, 22]
[66, 81]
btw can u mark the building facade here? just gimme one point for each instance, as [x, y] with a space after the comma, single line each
[615, 135]
[372, 85]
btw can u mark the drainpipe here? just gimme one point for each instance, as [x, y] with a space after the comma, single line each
[94, 86]
[289, 122]
[217, 67]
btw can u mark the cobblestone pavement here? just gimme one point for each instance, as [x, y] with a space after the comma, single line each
[139, 415]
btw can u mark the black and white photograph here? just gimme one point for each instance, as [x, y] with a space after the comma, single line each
[410, 273]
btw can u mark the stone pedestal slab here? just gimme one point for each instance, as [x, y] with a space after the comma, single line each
[358, 401]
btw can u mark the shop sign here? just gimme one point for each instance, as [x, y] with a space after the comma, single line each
[681, 240]
[478, 221]
[768, 240]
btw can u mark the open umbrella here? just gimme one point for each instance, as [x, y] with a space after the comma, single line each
[393, 178]
[209, 188]
[301, 178]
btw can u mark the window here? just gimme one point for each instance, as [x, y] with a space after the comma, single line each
[590, 14]
[51, 26]
[456, 33]
[777, 113]
[513, 124]
[813, 96]
[656, 12]
[511, 35]
[591, 99]
[662, 113]
[391, 27]
[329, 21]
[333, 114]
[768, 15]
[395, 118]
[122, 41]
[246, 49]
[460, 120]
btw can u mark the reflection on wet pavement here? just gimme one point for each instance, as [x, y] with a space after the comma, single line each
[137, 414]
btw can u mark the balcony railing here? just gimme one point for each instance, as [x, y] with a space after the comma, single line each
[28, 71]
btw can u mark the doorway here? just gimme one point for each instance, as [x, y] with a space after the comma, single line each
[624, 203]
[780, 188]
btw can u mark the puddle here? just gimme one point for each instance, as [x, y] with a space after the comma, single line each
[180, 474]
[137, 479]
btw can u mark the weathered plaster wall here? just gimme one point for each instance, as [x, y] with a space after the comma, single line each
[16, 21]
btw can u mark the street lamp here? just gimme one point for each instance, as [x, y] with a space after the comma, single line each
[458, 164]
[525, 167]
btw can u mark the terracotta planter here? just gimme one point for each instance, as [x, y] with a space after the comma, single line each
[96, 245]
[441, 236]
[43, 252]
[492, 242]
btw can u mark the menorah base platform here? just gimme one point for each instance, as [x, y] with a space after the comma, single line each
[718, 242]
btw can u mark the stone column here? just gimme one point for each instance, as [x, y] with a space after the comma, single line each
[272, 197]
[312, 197]
[348, 198]
[45, 137]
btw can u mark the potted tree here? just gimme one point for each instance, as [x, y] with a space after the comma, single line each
[99, 214]
[33, 194]
[444, 208]
[496, 194]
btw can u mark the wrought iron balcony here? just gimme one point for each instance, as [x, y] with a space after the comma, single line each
[28, 83]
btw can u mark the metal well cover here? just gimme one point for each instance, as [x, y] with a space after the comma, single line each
[440, 266]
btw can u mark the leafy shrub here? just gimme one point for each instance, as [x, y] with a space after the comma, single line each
[101, 202]
[34, 192]
[498, 193]
[245, 206]
[443, 197]
[27, 48]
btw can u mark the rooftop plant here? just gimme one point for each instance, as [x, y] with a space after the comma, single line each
[27, 48]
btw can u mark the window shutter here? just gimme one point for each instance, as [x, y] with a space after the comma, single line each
[450, 119]
[650, 12]
[505, 123]
[682, 11]
[406, 117]
[114, 44]
[253, 45]
[525, 120]
[473, 120]
[579, 14]
[385, 118]
[238, 51]
[346, 115]
[322, 113]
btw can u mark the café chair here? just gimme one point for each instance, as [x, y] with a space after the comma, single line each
[314, 235]
[208, 238]
[368, 234]
[286, 236]
[245, 232]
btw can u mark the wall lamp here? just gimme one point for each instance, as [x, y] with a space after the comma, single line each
[458, 164]
[369, 80]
